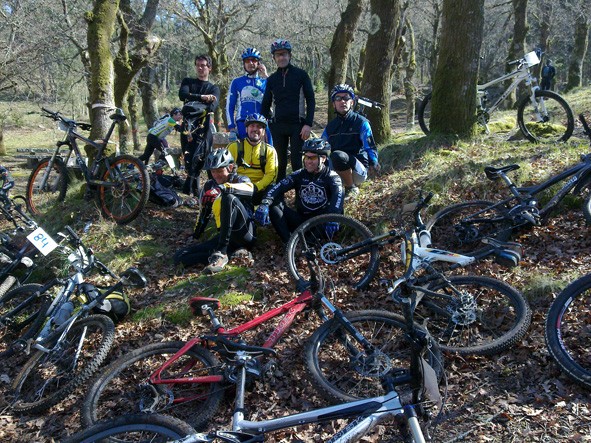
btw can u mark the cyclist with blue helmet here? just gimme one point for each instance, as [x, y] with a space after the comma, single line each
[245, 94]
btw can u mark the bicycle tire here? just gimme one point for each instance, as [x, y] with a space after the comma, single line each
[492, 318]
[356, 272]
[460, 228]
[22, 323]
[49, 377]
[40, 200]
[155, 428]
[424, 113]
[557, 123]
[123, 386]
[567, 330]
[21, 200]
[125, 201]
[338, 376]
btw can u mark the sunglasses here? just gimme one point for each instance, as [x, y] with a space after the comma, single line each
[342, 98]
[311, 157]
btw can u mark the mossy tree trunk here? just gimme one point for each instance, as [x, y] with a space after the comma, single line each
[381, 48]
[545, 33]
[148, 86]
[2, 146]
[454, 86]
[133, 116]
[341, 45]
[517, 45]
[410, 67]
[578, 53]
[359, 78]
[136, 48]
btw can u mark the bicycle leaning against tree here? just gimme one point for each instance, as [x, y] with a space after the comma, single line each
[542, 116]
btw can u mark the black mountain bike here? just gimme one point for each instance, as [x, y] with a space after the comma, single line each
[121, 184]
[568, 330]
[461, 227]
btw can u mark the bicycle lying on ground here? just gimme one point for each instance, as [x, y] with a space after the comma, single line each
[187, 380]
[64, 328]
[121, 184]
[467, 314]
[568, 330]
[543, 116]
[412, 417]
[462, 226]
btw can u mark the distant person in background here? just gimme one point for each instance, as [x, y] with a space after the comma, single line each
[157, 134]
[548, 74]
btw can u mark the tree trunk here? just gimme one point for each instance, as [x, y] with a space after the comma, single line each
[341, 45]
[545, 28]
[149, 91]
[410, 62]
[577, 55]
[2, 146]
[434, 39]
[454, 86]
[381, 46]
[517, 46]
[101, 25]
[133, 116]
[359, 79]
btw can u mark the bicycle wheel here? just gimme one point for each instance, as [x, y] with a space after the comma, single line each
[568, 330]
[124, 386]
[49, 377]
[21, 201]
[354, 269]
[43, 192]
[341, 371]
[22, 312]
[551, 120]
[154, 428]
[486, 317]
[127, 197]
[460, 228]
[424, 114]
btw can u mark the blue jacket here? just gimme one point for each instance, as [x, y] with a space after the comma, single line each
[245, 97]
[352, 134]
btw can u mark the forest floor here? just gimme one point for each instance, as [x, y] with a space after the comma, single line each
[516, 396]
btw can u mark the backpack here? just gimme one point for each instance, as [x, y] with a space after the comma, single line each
[262, 154]
[162, 193]
[116, 305]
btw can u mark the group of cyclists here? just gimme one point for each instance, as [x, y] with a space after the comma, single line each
[269, 117]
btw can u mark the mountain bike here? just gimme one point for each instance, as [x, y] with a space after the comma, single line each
[568, 330]
[188, 379]
[120, 184]
[14, 209]
[72, 331]
[364, 415]
[461, 227]
[542, 116]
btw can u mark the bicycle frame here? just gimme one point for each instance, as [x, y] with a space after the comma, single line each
[520, 74]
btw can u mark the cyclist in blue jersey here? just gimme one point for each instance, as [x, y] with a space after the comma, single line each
[245, 94]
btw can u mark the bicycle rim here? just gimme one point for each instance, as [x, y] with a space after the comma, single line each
[356, 271]
[550, 120]
[424, 114]
[568, 331]
[129, 194]
[42, 194]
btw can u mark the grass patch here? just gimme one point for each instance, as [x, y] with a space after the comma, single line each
[542, 286]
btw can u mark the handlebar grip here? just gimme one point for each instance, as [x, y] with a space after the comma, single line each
[72, 234]
[428, 198]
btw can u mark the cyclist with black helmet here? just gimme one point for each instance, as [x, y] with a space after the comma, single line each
[291, 95]
[245, 94]
[318, 190]
[157, 134]
[349, 134]
[255, 158]
[227, 196]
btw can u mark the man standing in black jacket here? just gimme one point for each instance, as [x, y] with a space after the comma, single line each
[290, 91]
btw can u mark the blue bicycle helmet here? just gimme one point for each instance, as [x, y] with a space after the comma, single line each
[255, 118]
[280, 44]
[251, 53]
[317, 146]
[342, 88]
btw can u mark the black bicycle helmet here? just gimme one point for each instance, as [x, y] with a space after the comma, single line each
[317, 146]
[342, 87]
[280, 44]
[251, 53]
[255, 118]
[174, 111]
[219, 158]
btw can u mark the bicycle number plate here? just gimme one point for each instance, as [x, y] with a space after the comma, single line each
[42, 241]
[170, 161]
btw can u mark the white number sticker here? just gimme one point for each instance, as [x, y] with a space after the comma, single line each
[42, 241]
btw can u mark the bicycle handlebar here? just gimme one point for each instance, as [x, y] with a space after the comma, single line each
[363, 101]
[58, 117]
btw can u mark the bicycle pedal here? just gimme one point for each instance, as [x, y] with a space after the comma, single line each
[19, 345]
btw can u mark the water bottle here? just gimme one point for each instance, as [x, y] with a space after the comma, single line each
[63, 313]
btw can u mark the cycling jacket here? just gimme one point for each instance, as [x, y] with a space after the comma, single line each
[352, 134]
[164, 126]
[245, 97]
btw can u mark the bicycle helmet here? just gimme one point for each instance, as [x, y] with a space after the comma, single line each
[280, 44]
[219, 158]
[342, 88]
[317, 146]
[251, 53]
[174, 111]
[255, 118]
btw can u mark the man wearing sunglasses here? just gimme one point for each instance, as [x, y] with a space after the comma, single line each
[350, 136]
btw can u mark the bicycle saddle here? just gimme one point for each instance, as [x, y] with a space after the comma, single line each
[197, 304]
[118, 117]
[235, 346]
[492, 173]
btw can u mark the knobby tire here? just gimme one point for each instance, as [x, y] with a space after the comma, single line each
[40, 200]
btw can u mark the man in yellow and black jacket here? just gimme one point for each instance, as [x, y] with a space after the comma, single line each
[255, 158]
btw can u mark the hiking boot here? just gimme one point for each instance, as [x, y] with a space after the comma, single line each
[351, 192]
[217, 262]
[242, 253]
